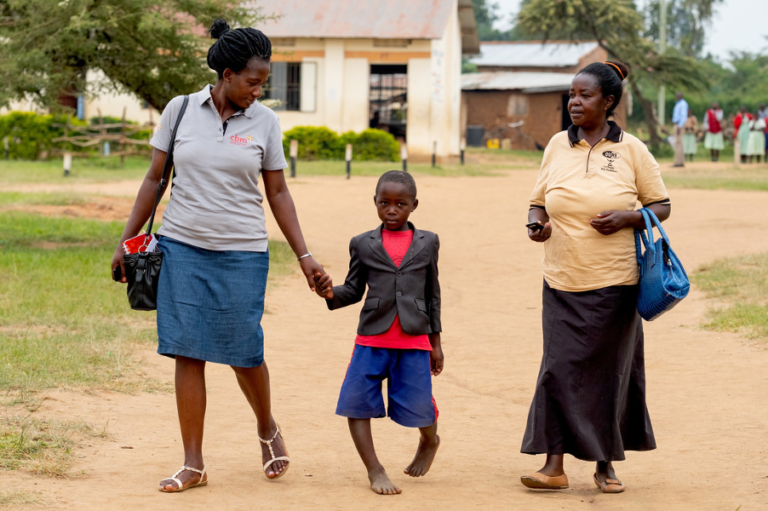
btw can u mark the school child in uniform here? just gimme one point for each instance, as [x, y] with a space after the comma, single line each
[690, 132]
[398, 336]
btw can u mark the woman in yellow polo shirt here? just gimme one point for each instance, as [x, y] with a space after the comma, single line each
[590, 393]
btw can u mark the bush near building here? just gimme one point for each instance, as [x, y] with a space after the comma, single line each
[321, 143]
[30, 134]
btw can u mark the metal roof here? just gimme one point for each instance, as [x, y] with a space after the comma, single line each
[532, 54]
[370, 19]
[523, 81]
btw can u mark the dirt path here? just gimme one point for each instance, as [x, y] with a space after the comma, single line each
[706, 390]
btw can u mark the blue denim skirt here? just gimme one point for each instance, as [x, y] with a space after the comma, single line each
[210, 304]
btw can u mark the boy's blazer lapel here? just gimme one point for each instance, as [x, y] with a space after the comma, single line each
[417, 245]
[377, 246]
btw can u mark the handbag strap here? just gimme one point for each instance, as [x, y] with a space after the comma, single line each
[657, 223]
[167, 166]
[641, 236]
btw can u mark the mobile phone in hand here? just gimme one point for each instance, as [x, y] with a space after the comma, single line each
[117, 274]
[534, 226]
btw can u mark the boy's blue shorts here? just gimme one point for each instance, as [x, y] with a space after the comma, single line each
[409, 386]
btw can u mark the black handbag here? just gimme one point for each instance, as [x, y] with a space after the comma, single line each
[143, 268]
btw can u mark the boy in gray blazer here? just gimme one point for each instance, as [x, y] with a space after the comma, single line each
[398, 336]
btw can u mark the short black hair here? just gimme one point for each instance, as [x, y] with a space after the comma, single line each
[399, 177]
[234, 48]
[610, 76]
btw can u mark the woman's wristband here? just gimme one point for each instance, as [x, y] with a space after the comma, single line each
[308, 254]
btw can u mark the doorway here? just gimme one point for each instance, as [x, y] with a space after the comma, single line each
[566, 117]
[388, 100]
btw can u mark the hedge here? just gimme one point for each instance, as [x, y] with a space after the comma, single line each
[30, 134]
[320, 143]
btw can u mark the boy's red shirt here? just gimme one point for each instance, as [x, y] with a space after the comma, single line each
[396, 243]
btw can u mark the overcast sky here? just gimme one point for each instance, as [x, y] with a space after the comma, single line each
[737, 25]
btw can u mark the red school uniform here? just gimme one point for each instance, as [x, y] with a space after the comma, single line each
[396, 243]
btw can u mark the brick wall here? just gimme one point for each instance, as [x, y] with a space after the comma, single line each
[545, 119]
[596, 55]
[495, 110]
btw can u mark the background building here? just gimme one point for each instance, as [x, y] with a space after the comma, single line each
[525, 85]
[393, 65]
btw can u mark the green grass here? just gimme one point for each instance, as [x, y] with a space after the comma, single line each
[39, 199]
[109, 169]
[507, 154]
[42, 447]
[63, 322]
[11, 499]
[740, 287]
[745, 177]
[83, 170]
[377, 168]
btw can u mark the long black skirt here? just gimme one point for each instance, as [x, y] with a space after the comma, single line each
[590, 394]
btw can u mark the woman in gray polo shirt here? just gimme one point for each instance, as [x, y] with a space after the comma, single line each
[214, 240]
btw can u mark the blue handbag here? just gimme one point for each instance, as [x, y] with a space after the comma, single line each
[663, 281]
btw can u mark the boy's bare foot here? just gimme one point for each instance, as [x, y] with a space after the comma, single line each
[381, 484]
[425, 455]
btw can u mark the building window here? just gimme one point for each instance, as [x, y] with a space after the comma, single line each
[389, 98]
[293, 84]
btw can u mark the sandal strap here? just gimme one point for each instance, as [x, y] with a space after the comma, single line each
[192, 469]
[175, 477]
[279, 458]
[269, 442]
[613, 481]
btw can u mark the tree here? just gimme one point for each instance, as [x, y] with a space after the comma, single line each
[486, 14]
[151, 48]
[687, 21]
[617, 26]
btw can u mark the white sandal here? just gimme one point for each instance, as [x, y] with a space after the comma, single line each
[176, 480]
[275, 458]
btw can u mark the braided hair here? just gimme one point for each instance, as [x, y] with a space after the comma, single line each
[234, 48]
[399, 177]
[609, 76]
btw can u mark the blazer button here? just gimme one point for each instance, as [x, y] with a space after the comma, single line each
[399, 294]
[399, 274]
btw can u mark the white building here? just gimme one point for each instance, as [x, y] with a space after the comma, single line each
[391, 64]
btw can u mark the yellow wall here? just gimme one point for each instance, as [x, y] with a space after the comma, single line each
[356, 89]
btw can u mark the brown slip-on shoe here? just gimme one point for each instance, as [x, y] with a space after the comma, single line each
[610, 485]
[539, 481]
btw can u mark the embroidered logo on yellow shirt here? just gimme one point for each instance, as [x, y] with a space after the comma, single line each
[611, 156]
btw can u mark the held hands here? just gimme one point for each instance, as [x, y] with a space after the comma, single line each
[324, 285]
[609, 222]
[541, 235]
[310, 268]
